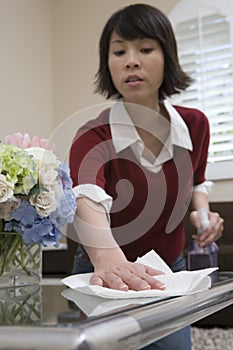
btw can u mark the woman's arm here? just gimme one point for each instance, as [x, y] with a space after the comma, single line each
[111, 268]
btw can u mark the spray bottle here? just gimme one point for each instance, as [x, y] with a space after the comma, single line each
[203, 257]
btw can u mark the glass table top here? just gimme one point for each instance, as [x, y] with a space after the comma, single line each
[69, 320]
[52, 303]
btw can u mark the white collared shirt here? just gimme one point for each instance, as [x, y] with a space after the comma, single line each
[124, 134]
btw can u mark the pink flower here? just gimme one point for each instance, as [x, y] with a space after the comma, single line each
[24, 141]
[41, 142]
[18, 140]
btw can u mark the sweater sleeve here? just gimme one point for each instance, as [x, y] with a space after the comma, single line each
[201, 141]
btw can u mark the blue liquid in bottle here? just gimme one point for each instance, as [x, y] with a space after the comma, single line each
[203, 257]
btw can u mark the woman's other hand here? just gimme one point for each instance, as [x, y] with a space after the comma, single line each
[212, 233]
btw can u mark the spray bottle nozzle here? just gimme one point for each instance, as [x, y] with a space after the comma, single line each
[204, 220]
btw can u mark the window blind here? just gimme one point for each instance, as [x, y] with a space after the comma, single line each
[206, 54]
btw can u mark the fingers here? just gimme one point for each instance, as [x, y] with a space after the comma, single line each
[216, 225]
[110, 280]
[154, 283]
[141, 281]
[97, 281]
[132, 281]
[213, 232]
[153, 272]
[125, 279]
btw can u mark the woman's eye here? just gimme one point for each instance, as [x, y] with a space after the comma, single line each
[119, 52]
[147, 49]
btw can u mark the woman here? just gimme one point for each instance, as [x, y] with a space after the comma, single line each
[139, 165]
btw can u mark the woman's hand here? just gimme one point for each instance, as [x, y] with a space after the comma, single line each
[123, 275]
[212, 233]
[112, 269]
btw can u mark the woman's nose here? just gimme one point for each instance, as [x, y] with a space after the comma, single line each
[132, 61]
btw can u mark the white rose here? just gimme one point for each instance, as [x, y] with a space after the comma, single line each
[44, 202]
[45, 157]
[49, 180]
[6, 189]
[47, 177]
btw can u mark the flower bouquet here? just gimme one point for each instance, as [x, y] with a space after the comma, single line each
[36, 199]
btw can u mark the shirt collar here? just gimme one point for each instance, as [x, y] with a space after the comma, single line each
[124, 133]
[179, 131]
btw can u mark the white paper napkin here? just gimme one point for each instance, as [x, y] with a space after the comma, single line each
[178, 283]
[94, 305]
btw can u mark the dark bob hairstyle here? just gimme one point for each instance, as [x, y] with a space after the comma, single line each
[135, 22]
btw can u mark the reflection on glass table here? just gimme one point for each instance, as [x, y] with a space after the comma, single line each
[52, 303]
[21, 306]
[64, 321]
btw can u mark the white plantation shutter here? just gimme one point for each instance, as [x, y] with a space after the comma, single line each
[206, 53]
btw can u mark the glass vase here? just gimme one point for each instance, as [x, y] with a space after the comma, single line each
[21, 306]
[20, 263]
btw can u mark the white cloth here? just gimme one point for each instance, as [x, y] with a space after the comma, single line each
[178, 283]
[94, 305]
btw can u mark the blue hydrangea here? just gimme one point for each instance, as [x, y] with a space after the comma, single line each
[32, 227]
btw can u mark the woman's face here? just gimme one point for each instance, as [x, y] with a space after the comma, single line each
[137, 68]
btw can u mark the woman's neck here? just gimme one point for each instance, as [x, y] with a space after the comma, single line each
[153, 104]
[153, 125]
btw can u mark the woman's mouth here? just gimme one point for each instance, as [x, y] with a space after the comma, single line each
[133, 80]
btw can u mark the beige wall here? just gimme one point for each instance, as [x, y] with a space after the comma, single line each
[25, 67]
[49, 56]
